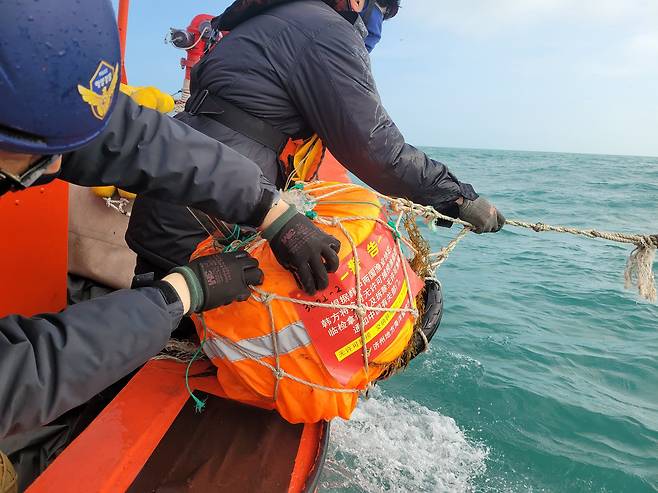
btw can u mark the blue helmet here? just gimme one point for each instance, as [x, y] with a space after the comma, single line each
[60, 67]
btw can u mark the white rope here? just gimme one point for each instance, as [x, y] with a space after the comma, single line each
[280, 372]
[639, 267]
[360, 312]
[119, 205]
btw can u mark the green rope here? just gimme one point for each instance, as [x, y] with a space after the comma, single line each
[198, 403]
[235, 234]
[239, 244]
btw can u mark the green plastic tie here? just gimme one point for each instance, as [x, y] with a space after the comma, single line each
[311, 214]
[391, 225]
[235, 234]
[297, 186]
[199, 404]
[237, 245]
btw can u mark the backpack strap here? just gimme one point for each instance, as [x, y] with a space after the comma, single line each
[299, 156]
[229, 115]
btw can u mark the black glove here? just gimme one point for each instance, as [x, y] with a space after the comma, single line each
[220, 279]
[304, 249]
[482, 214]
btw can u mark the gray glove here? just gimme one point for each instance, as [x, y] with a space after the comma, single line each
[482, 214]
[220, 279]
[304, 249]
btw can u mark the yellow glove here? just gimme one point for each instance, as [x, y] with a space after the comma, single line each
[150, 97]
[105, 192]
[126, 195]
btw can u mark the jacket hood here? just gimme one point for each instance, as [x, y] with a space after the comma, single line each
[241, 10]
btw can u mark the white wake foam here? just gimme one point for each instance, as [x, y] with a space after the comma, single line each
[392, 444]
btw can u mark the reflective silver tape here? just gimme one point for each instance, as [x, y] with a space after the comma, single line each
[289, 338]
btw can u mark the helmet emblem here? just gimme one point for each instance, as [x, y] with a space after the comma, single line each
[101, 88]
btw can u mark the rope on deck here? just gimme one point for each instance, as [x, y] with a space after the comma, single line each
[181, 351]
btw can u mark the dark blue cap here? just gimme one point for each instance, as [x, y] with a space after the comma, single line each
[59, 73]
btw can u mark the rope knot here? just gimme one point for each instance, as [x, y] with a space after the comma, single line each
[267, 298]
[654, 240]
[278, 373]
[407, 203]
[360, 311]
[648, 241]
[539, 227]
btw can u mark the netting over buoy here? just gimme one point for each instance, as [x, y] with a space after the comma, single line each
[310, 357]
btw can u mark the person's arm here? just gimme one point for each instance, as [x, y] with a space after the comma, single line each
[54, 362]
[333, 87]
[143, 151]
[51, 363]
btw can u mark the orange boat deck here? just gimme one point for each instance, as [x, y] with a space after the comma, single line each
[149, 437]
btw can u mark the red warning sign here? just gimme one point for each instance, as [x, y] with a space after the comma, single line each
[335, 331]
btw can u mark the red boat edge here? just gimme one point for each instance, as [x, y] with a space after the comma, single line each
[122, 450]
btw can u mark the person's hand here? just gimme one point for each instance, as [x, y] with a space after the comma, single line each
[304, 249]
[482, 214]
[216, 280]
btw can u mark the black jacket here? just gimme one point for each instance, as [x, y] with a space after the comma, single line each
[53, 362]
[303, 68]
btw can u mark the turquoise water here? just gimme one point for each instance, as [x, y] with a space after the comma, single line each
[544, 376]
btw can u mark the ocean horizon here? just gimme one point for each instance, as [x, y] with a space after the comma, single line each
[530, 151]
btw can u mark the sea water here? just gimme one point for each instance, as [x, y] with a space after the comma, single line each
[544, 375]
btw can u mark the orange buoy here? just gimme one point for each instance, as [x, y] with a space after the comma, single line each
[304, 356]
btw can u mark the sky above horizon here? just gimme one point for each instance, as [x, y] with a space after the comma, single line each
[543, 75]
